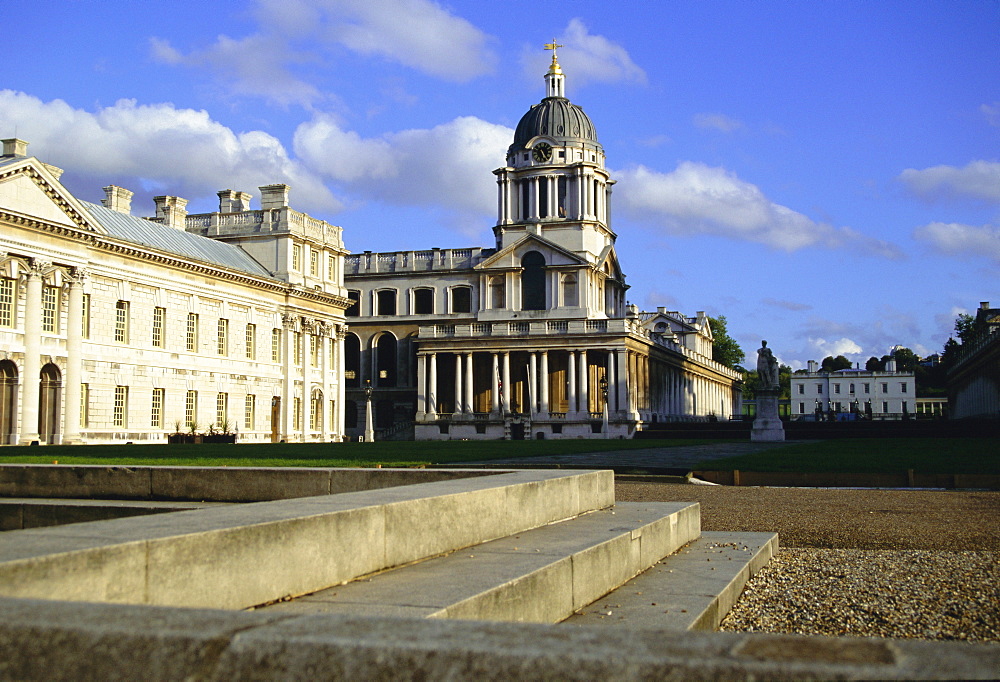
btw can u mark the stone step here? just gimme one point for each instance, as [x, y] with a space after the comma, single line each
[692, 589]
[542, 575]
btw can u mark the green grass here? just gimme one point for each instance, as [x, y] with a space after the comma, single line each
[397, 454]
[873, 455]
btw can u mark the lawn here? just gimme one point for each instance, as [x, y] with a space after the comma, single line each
[873, 455]
[390, 454]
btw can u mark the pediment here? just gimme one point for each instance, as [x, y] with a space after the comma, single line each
[510, 257]
[29, 189]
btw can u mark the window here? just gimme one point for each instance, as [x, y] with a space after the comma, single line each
[296, 413]
[85, 405]
[222, 411]
[315, 412]
[570, 291]
[461, 300]
[7, 289]
[533, 281]
[423, 301]
[297, 348]
[159, 318]
[885, 388]
[353, 310]
[866, 387]
[885, 406]
[276, 344]
[852, 389]
[386, 302]
[314, 262]
[191, 410]
[802, 389]
[296, 257]
[156, 409]
[902, 387]
[331, 267]
[191, 337]
[251, 341]
[836, 388]
[121, 322]
[121, 406]
[249, 412]
[50, 309]
[222, 337]
[85, 321]
[313, 350]
[819, 389]
[498, 292]
[802, 408]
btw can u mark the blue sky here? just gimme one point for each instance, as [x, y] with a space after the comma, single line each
[824, 174]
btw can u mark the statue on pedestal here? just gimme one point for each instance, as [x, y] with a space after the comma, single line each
[767, 367]
[767, 426]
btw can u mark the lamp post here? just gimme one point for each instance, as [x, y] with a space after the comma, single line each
[604, 414]
[369, 426]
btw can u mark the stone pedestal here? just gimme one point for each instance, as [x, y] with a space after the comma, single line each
[767, 425]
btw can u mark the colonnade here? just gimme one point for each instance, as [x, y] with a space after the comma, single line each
[535, 197]
[320, 352]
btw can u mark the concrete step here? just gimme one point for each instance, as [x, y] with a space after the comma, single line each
[692, 589]
[542, 575]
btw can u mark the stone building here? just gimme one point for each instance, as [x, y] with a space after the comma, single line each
[532, 337]
[877, 395]
[116, 328]
[974, 378]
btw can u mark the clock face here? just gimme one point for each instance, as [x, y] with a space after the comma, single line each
[542, 152]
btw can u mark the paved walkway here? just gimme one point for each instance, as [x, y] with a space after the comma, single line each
[683, 457]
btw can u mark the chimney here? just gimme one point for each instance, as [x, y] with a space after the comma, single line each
[231, 201]
[985, 305]
[273, 196]
[117, 199]
[171, 211]
[813, 366]
[15, 147]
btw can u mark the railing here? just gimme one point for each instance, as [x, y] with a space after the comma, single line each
[444, 330]
[558, 326]
[518, 328]
[597, 325]
[482, 328]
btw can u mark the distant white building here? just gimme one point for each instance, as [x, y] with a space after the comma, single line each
[116, 328]
[876, 395]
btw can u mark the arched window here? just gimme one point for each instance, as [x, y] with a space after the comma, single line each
[461, 300]
[385, 360]
[533, 281]
[498, 292]
[48, 402]
[385, 302]
[8, 400]
[352, 360]
[423, 301]
[570, 291]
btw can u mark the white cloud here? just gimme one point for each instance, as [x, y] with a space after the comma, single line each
[695, 198]
[719, 122]
[449, 165]
[183, 150]
[786, 305]
[586, 58]
[992, 113]
[843, 346]
[962, 240]
[976, 180]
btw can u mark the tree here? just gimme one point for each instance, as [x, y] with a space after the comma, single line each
[832, 364]
[966, 327]
[906, 360]
[724, 347]
[874, 365]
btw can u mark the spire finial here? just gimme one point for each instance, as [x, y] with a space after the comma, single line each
[554, 66]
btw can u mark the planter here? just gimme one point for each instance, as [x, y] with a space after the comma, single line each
[220, 438]
[180, 438]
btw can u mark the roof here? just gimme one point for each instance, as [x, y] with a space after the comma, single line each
[555, 118]
[164, 238]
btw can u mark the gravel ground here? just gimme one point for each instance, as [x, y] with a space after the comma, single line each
[883, 563]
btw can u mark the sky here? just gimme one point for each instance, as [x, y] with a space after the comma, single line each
[826, 175]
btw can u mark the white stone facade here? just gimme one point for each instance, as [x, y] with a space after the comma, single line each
[531, 338]
[878, 395]
[116, 329]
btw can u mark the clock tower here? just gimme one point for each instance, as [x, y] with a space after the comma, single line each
[555, 184]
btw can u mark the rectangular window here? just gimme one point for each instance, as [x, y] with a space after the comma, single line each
[333, 413]
[249, 412]
[222, 337]
[121, 406]
[461, 300]
[353, 310]
[314, 350]
[314, 262]
[50, 309]
[297, 413]
[802, 408]
[902, 387]
[276, 345]
[385, 301]
[296, 257]
[251, 341]
[85, 405]
[222, 411]
[7, 289]
[885, 406]
[191, 337]
[191, 410]
[802, 389]
[819, 389]
[885, 388]
[836, 388]
[85, 322]
[156, 411]
[331, 267]
[121, 322]
[159, 320]
[867, 388]
[297, 348]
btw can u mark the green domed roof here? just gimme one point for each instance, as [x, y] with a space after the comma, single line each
[556, 118]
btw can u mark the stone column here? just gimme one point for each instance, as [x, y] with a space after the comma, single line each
[74, 359]
[324, 368]
[495, 382]
[532, 383]
[305, 397]
[543, 385]
[459, 402]
[621, 384]
[341, 382]
[505, 397]
[288, 378]
[469, 388]
[571, 409]
[584, 379]
[422, 408]
[432, 387]
[32, 368]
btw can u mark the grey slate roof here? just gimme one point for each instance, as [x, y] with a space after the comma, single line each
[163, 238]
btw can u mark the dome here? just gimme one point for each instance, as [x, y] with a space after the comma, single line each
[556, 118]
